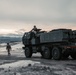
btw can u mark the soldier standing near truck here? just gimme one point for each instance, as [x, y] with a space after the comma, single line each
[8, 48]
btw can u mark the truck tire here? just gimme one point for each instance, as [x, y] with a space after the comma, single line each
[47, 53]
[28, 52]
[73, 55]
[56, 53]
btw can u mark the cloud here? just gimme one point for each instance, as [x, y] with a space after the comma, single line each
[20, 31]
[43, 11]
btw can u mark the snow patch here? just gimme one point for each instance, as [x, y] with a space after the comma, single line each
[20, 63]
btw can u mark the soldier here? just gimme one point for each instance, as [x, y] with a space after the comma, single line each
[35, 28]
[8, 47]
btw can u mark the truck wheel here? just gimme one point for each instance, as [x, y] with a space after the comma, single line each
[56, 53]
[47, 53]
[73, 55]
[28, 52]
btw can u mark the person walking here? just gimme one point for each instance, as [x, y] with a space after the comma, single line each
[8, 47]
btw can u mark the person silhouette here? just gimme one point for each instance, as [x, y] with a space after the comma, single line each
[8, 47]
[35, 28]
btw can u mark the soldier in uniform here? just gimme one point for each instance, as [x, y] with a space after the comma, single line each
[8, 47]
[35, 28]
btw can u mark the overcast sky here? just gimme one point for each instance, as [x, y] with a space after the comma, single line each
[46, 14]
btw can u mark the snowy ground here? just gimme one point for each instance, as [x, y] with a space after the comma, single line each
[18, 64]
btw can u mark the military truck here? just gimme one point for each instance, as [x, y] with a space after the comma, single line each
[57, 44]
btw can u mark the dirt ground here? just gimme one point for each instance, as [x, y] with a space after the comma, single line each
[18, 64]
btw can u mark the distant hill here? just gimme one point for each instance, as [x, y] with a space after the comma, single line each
[4, 38]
